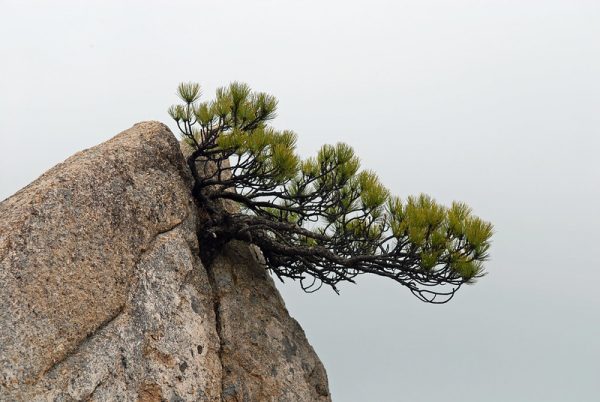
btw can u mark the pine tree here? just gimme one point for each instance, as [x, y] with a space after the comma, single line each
[320, 220]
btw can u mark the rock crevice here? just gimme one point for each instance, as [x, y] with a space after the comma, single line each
[216, 305]
[104, 296]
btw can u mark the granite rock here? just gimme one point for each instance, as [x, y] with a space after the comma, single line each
[104, 298]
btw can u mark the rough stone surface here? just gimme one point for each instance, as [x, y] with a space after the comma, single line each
[265, 354]
[103, 297]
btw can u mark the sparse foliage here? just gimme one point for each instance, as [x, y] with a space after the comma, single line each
[320, 220]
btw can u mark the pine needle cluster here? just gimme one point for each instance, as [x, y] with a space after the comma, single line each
[320, 220]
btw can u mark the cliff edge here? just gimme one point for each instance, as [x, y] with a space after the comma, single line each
[104, 298]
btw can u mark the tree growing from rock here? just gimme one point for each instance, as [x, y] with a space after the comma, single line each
[321, 220]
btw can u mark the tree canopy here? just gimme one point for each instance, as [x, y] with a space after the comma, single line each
[320, 220]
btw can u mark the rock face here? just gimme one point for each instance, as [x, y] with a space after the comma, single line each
[104, 298]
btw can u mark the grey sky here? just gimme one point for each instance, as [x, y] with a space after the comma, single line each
[495, 103]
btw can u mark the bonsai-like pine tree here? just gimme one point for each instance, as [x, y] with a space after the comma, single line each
[320, 220]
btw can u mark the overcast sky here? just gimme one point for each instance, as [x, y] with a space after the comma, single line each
[496, 103]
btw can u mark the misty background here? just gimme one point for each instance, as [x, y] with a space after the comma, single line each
[495, 103]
